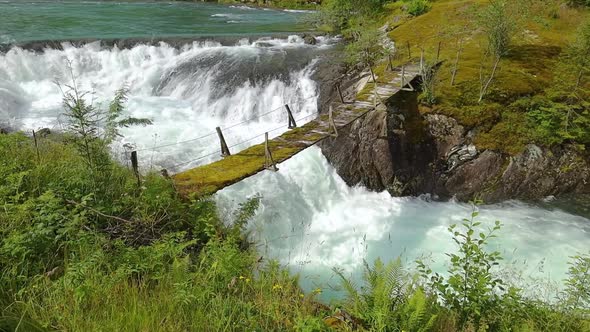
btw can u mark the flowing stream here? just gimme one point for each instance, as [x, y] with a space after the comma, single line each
[41, 20]
[309, 219]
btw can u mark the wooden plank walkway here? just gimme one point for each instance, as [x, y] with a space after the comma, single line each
[208, 179]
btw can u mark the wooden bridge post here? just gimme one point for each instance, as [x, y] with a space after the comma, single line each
[292, 123]
[37, 147]
[340, 93]
[403, 76]
[390, 62]
[224, 149]
[269, 163]
[331, 123]
[375, 95]
[166, 176]
[135, 166]
[409, 50]
[422, 61]
[411, 88]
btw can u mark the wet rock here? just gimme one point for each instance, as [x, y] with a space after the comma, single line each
[44, 132]
[309, 39]
[386, 150]
[359, 153]
[447, 131]
[536, 173]
[469, 180]
[264, 44]
[460, 154]
[406, 153]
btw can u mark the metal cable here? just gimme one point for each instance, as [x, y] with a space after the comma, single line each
[240, 143]
[177, 143]
[225, 128]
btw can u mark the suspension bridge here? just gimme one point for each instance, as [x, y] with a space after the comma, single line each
[234, 167]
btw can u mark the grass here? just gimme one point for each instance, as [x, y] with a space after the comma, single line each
[127, 258]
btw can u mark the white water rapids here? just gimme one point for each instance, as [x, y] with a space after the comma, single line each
[309, 218]
[311, 221]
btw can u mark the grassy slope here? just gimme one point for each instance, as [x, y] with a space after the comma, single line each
[168, 265]
[526, 71]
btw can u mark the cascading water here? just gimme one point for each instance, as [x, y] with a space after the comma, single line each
[186, 91]
[311, 221]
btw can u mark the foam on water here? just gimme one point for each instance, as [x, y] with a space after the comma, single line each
[312, 221]
[187, 92]
[298, 11]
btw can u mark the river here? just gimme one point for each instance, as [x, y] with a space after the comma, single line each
[191, 67]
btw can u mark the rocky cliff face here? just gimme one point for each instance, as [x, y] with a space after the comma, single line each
[407, 153]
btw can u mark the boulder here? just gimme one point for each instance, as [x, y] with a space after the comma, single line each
[309, 39]
[44, 132]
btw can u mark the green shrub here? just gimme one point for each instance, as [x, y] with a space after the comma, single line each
[577, 3]
[418, 7]
[470, 289]
[578, 283]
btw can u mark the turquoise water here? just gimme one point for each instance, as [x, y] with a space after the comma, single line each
[25, 20]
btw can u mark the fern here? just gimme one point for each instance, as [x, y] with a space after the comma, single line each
[384, 289]
[417, 315]
[116, 109]
[355, 303]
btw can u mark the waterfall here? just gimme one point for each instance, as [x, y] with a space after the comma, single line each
[187, 91]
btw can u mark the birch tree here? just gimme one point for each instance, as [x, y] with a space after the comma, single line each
[499, 25]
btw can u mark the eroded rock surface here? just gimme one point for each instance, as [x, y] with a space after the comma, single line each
[408, 153]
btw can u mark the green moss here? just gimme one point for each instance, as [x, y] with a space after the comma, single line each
[509, 134]
[525, 72]
[210, 178]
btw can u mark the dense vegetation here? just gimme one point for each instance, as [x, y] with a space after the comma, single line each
[86, 246]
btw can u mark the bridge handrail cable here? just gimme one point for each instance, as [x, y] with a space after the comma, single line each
[237, 144]
[224, 128]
